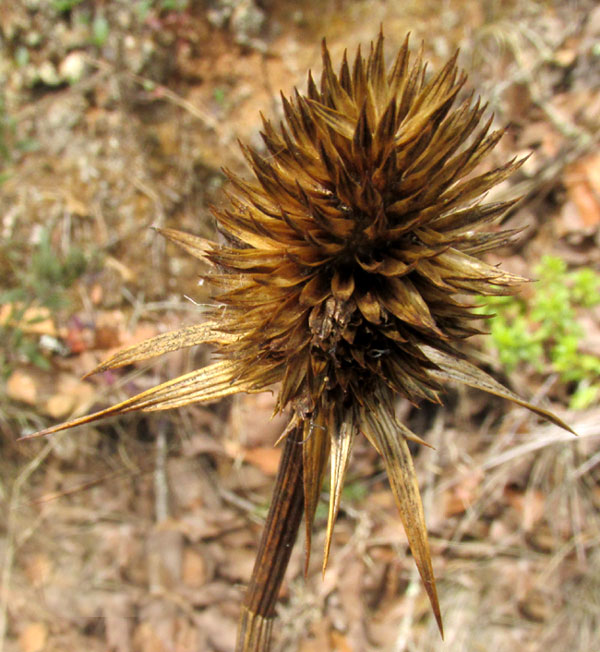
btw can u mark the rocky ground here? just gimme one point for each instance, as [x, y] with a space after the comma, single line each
[139, 534]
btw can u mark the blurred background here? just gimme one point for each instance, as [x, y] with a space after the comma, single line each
[139, 534]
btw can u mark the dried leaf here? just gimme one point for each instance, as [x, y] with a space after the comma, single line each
[35, 320]
[265, 458]
[582, 180]
[22, 385]
[33, 638]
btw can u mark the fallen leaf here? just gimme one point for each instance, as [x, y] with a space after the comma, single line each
[582, 180]
[536, 606]
[164, 549]
[38, 569]
[22, 386]
[252, 422]
[265, 458]
[75, 205]
[238, 565]
[35, 320]
[96, 294]
[529, 504]
[56, 397]
[33, 638]
[126, 274]
[79, 338]
[194, 570]
[565, 57]
[106, 337]
[199, 524]
[460, 496]
[72, 396]
[340, 643]
[146, 639]
[218, 628]
[118, 623]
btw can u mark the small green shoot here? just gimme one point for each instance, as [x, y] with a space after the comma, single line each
[545, 333]
[100, 30]
[40, 279]
[63, 6]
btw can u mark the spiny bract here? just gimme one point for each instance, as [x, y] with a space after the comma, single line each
[345, 270]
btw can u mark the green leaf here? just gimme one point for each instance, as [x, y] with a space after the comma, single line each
[100, 30]
[584, 396]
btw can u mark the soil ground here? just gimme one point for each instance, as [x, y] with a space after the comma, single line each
[139, 534]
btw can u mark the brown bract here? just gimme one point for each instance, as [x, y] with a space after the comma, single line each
[346, 274]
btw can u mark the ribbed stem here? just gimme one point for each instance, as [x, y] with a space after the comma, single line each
[281, 529]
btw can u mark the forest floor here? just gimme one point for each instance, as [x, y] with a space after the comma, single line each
[140, 533]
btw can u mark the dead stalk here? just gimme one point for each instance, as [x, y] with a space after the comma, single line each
[279, 534]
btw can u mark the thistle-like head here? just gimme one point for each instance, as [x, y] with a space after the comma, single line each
[350, 265]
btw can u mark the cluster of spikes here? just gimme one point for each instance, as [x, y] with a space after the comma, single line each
[348, 273]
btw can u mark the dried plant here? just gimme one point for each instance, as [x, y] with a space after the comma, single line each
[349, 262]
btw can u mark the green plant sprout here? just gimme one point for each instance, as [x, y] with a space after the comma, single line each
[7, 129]
[544, 332]
[144, 7]
[64, 6]
[100, 30]
[42, 281]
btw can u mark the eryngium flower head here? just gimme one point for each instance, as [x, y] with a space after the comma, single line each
[347, 269]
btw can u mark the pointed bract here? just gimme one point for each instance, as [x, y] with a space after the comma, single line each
[341, 447]
[315, 452]
[390, 441]
[164, 343]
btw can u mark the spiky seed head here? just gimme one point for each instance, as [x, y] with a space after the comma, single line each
[347, 269]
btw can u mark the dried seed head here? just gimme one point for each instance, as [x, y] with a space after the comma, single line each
[347, 268]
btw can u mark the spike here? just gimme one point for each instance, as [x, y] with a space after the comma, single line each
[341, 446]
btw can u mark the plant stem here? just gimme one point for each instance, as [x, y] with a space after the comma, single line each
[281, 529]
